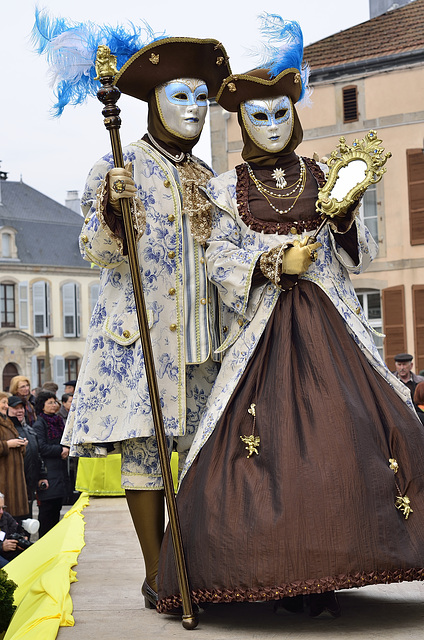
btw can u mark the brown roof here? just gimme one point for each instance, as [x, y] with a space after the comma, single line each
[395, 32]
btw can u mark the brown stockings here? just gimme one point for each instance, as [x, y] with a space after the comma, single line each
[148, 515]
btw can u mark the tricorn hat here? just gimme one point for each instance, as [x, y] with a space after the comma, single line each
[282, 71]
[258, 85]
[166, 59]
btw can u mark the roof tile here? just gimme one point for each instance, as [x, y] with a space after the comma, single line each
[396, 31]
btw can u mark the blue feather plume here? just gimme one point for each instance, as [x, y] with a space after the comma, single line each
[283, 49]
[71, 49]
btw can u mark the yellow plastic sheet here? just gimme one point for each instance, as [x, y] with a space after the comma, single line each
[102, 476]
[43, 574]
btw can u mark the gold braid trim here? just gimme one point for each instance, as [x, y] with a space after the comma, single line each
[195, 205]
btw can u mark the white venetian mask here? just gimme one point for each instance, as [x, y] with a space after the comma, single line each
[183, 104]
[269, 122]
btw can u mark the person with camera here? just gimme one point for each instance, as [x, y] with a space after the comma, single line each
[34, 467]
[13, 539]
[49, 429]
[12, 452]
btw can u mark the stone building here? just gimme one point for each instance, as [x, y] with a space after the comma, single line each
[371, 76]
[47, 291]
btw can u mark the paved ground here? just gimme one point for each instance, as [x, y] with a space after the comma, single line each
[108, 603]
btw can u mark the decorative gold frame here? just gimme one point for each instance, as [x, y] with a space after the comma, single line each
[369, 151]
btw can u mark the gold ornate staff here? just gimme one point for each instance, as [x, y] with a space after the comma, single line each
[109, 94]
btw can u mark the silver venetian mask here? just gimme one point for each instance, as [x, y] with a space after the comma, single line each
[183, 104]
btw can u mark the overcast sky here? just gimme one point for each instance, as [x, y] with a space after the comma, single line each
[54, 155]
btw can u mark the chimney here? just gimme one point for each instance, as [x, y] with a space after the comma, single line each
[73, 201]
[3, 176]
[378, 7]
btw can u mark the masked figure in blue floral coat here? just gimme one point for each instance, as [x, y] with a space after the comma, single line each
[308, 459]
[111, 407]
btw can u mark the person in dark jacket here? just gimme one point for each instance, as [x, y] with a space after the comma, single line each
[9, 549]
[49, 428]
[34, 467]
[12, 452]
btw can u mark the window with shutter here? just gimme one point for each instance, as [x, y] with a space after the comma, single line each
[71, 368]
[394, 325]
[23, 305]
[71, 316]
[418, 311]
[7, 303]
[415, 163]
[41, 308]
[368, 210]
[94, 294]
[350, 104]
[370, 301]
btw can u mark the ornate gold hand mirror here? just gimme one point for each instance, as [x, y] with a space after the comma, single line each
[352, 169]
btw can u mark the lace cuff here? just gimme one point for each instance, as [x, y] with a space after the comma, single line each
[271, 264]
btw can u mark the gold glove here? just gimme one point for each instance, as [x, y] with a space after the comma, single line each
[298, 258]
[121, 185]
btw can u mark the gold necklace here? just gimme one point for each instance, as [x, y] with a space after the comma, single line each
[300, 186]
[263, 187]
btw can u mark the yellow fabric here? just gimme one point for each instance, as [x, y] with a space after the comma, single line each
[174, 469]
[43, 574]
[102, 476]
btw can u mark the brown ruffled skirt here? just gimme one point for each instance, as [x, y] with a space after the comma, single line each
[315, 509]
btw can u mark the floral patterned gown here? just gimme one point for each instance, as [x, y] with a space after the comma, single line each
[322, 503]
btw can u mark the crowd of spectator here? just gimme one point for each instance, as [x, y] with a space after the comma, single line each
[33, 463]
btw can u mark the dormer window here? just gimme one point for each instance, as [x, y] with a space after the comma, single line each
[7, 244]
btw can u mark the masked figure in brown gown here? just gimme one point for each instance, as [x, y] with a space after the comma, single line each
[306, 474]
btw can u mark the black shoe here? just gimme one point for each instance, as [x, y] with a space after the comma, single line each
[150, 596]
[293, 604]
[320, 602]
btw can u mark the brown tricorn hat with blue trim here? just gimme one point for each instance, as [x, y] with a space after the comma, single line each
[170, 58]
[258, 85]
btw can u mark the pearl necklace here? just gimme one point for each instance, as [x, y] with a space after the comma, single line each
[297, 186]
[179, 158]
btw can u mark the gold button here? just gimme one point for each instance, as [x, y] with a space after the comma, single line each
[203, 301]
[293, 230]
[84, 239]
[166, 183]
[171, 254]
[240, 321]
[87, 220]
[202, 261]
[126, 333]
[173, 327]
[358, 310]
[225, 329]
[171, 217]
[171, 291]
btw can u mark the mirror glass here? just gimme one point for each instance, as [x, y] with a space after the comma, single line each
[348, 177]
